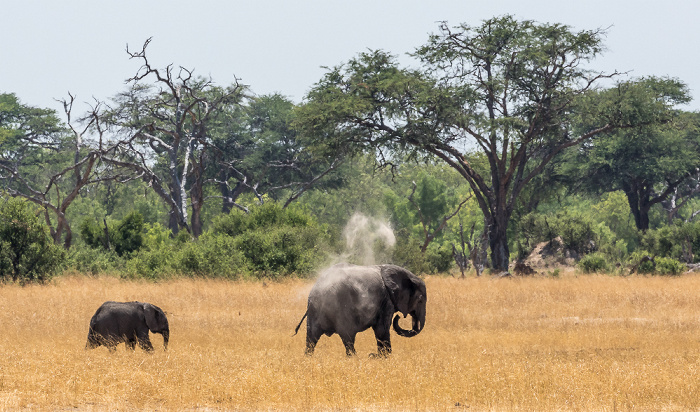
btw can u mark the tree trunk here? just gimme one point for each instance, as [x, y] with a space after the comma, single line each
[638, 199]
[498, 243]
[173, 220]
[226, 194]
[641, 218]
[196, 220]
[62, 227]
[197, 200]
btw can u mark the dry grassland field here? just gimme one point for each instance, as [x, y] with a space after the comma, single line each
[586, 343]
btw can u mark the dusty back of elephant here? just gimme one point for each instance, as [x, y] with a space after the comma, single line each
[347, 299]
[128, 322]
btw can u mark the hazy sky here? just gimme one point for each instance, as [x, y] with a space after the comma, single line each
[51, 47]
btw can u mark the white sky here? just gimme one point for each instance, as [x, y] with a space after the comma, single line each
[51, 47]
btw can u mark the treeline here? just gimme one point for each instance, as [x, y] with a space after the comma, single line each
[498, 141]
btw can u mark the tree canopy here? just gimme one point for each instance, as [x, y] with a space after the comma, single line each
[508, 89]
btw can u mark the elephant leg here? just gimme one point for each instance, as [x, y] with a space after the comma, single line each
[92, 341]
[313, 334]
[383, 336]
[349, 342]
[310, 346]
[130, 344]
[144, 342]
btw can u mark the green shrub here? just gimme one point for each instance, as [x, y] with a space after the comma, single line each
[125, 236]
[407, 254]
[269, 214]
[86, 259]
[668, 266]
[436, 259]
[659, 265]
[279, 250]
[577, 232]
[593, 263]
[92, 234]
[676, 241]
[215, 256]
[440, 258]
[151, 263]
[642, 262]
[128, 234]
[27, 253]
[273, 241]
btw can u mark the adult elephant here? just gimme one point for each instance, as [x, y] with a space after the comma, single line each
[347, 299]
[128, 322]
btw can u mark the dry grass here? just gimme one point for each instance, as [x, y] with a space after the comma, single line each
[574, 343]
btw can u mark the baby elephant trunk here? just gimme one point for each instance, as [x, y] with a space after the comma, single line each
[418, 323]
[166, 338]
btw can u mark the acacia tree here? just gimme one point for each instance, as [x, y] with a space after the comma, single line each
[507, 89]
[650, 164]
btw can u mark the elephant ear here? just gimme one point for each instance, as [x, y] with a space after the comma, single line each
[399, 285]
[155, 318]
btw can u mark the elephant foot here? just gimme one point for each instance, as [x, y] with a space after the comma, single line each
[379, 355]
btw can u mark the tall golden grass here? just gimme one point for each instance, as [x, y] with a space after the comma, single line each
[573, 343]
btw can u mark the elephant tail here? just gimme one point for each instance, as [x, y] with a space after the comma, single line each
[300, 322]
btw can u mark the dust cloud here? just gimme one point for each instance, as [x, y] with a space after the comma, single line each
[368, 240]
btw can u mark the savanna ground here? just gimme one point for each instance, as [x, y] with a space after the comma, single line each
[571, 343]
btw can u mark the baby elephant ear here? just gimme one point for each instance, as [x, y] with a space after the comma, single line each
[155, 318]
[399, 285]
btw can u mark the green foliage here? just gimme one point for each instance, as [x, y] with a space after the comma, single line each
[128, 236]
[27, 253]
[125, 236]
[19, 121]
[668, 266]
[677, 241]
[407, 253]
[274, 241]
[92, 234]
[269, 241]
[643, 262]
[646, 162]
[576, 231]
[613, 210]
[594, 263]
[86, 259]
[152, 263]
[440, 258]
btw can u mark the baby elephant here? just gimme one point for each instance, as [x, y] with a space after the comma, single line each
[128, 322]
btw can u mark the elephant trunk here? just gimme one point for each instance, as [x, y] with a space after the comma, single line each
[166, 338]
[418, 323]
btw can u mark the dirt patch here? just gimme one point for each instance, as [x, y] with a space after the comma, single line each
[550, 255]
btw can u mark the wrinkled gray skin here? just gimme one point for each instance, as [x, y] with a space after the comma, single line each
[128, 322]
[348, 299]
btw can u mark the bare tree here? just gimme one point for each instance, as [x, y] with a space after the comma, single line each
[163, 136]
[50, 167]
